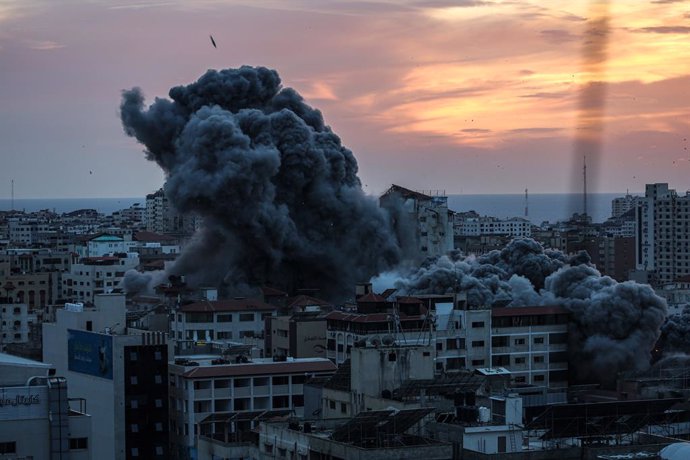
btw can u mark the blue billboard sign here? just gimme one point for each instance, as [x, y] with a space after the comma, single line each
[90, 353]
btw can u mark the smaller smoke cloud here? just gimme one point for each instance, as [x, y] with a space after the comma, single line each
[613, 326]
[675, 333]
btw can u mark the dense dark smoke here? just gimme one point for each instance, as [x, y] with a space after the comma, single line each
[279, 195]
[675, 333]
[613, 326]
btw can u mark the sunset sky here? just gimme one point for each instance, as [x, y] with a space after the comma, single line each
[465, 96]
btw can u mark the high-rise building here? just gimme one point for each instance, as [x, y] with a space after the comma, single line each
[162, 217]
[623, 204]
[430, 222]
[663, 234]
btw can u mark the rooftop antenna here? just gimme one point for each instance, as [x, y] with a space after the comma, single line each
[526, 204]
[12, 194]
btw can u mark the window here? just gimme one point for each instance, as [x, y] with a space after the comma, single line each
[158, 356]
[477, 343]
[538, 340]
[134, 404]
[159, 426]
[477, 323]
[519, 379]
[159, 450]
[89, 325]
[331, 404]
[224, 318]
[134, 428]
[477, 362]
[519, 360]
[133, 380]
[538, 359]
[246, 316]
[538, 378]
[158, 379]
[343, 408]
[133, 356]
[519, 341]
[78, 443]
[159, 403]
[135, 451]
[8, 447]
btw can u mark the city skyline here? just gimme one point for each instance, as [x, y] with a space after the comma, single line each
[471, 97]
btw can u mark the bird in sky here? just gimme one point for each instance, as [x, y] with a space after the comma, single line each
[213, 42]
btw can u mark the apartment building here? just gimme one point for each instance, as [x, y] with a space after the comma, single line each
[237, 320]
[663, 234]
[14, 323]
[472, 224]
[92, 276]
[531, 342]
[429, 214]
[206, 386]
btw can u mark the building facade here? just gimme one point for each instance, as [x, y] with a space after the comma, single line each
[663, 234]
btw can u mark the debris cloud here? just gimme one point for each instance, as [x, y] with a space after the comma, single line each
[278, 193]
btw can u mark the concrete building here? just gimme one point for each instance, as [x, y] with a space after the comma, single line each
[161, 216]
[201, 386]
[429, 214]
[237, 320]
[92, 276]
[376, 435]
[663, 234]
[123, 378]
[531, 342]
[300, 335]
[472, 224]
[36, 421]
[14, 323]
[621, 205]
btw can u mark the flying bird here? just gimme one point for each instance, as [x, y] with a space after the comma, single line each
[213, 41]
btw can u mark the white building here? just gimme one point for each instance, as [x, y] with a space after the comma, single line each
[122, 378]
[623, 204]
[237, 320]
[96, 275]
[430, 215]
[203, 385]
[663, 234]
[472, 224]
[36, 421]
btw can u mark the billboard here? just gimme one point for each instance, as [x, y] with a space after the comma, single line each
[90, 353]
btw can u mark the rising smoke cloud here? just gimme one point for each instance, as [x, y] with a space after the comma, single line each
[613, 326]
[279, 195]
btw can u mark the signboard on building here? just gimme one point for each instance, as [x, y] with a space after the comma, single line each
[90, 353]
[23, 403]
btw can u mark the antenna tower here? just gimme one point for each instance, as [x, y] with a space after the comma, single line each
[12, 195]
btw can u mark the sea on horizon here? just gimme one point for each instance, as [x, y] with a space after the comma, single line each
[542, 207]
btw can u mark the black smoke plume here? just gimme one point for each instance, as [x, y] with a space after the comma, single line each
[613, 326]
[279, 195]
[675, 333]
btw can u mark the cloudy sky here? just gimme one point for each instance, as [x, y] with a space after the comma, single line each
[465, 96]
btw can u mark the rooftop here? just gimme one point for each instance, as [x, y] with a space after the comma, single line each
[265, 366]
[227, 306]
